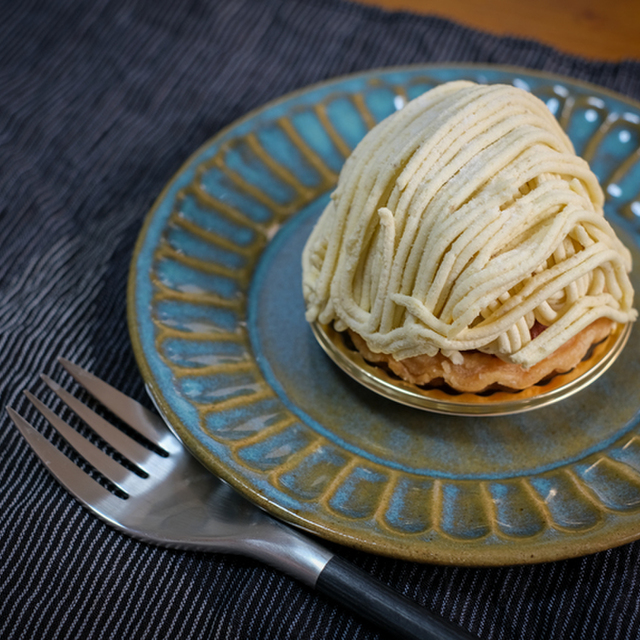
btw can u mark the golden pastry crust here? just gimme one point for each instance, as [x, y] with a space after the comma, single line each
[482, 371]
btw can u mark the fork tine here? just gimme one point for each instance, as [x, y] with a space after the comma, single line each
[119, 440]
[106, 465]
[127, 409]
[79, 484]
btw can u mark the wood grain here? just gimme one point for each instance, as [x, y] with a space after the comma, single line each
[607, 30]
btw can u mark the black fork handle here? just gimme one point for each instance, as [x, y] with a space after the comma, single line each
[384, 607]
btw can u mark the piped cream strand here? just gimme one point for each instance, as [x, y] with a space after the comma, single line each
[458, 222]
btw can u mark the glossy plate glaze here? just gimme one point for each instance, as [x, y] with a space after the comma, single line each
[217, 322]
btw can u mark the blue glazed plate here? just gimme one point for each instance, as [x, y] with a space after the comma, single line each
[217, 323]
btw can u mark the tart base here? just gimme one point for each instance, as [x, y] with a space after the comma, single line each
[482, 371]
[494, 401]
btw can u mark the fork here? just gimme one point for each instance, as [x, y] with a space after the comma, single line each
[164, 496]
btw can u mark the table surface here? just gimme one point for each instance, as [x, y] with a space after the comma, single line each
[589, 28]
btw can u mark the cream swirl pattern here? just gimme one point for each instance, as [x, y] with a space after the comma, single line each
[457, 223]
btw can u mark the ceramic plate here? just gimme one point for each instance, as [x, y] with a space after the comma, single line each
[217, 323]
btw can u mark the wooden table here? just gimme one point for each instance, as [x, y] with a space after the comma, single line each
[602, 29]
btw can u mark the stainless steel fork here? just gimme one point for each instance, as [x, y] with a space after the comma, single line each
[165, 496]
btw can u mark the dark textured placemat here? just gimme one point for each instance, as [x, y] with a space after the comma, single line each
[100, 103]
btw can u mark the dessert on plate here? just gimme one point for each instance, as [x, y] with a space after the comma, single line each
[465, 244]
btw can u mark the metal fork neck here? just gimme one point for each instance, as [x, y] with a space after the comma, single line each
[288, 550]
